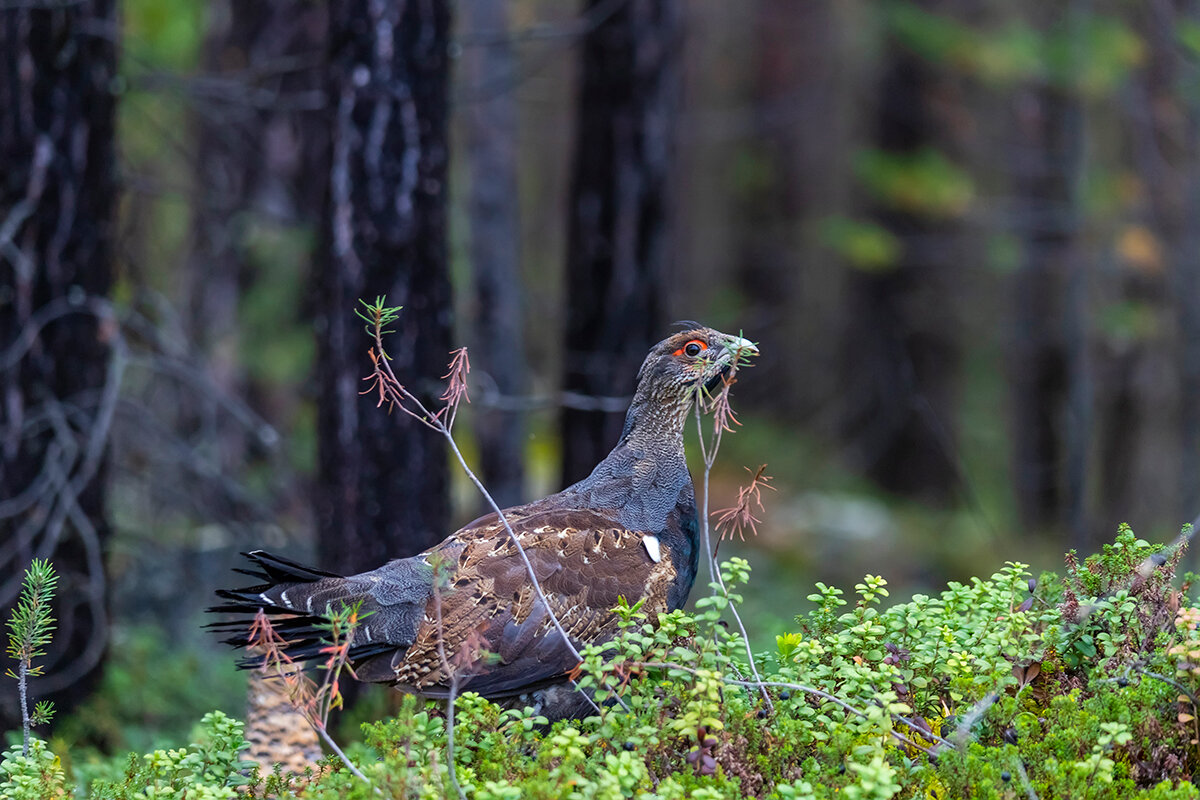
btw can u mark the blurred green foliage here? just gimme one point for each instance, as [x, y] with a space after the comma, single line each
[924, 182]
[864, 245]
[162, 34]
[1090, 53]
[152, 693]
[275, 347]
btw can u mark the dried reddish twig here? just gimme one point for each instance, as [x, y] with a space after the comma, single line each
[383, 382]
[378, 383]
[720, 407]
[312, 701]
[740, 516]
[329, 695]
[456, 385]
[277, 663]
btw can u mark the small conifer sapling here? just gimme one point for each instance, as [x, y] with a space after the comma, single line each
[29, 631]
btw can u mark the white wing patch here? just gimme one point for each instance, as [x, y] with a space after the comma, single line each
[652, 548]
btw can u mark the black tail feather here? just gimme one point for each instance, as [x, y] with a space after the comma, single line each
[258, 575]
[283, 570]
[304, 632]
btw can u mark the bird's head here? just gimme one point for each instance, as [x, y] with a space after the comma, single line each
[678, 372]
[690, 362]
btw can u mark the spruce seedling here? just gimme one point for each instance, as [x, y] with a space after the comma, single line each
[29, 630]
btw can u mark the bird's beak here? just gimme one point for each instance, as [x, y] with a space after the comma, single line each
[740, 346]
[738, 349]
[736, 352]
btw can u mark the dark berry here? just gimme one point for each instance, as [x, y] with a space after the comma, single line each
[1006, 776]
[785, 695]
[629, 746]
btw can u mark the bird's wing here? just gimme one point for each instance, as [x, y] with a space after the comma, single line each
[495, 633]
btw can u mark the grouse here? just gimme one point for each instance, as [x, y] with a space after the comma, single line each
[628, 530]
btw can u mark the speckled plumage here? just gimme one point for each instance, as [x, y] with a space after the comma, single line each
[627, 530]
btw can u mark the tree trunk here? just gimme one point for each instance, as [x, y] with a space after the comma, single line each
[383, 479]
[57, 196]
[617, 246]
[258, 172]
[498, 344]
[1047, 360]
[899, 355]
[797, 152]
[258, 167]
[1167, 144]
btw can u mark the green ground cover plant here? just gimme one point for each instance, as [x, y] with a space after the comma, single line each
[1080, 685]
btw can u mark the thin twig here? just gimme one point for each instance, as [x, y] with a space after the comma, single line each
[799, 687]
[452, 677]
[325, 737]
[963, 730]
[22, 684]
[1170, 682]
[710, 455]
[1029, 792]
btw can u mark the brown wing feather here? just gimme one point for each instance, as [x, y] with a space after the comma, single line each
[584, 563]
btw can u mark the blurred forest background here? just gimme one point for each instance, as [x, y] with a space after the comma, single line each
[966, 234]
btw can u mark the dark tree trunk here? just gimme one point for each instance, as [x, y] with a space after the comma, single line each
[899, 356]
[1186, 275]
[383, 479]
[1047, 360]
[57, 195]
[1167, 150]
[228, 166]
[259, 168]
[258, 165]
[796, 153]
[498, 345]
[617, 250]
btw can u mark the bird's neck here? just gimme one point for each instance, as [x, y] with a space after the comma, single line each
[645, 476]
[655, 420]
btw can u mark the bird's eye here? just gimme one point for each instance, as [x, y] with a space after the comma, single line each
[692, 349]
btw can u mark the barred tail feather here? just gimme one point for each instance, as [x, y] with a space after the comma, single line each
[293, 596]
